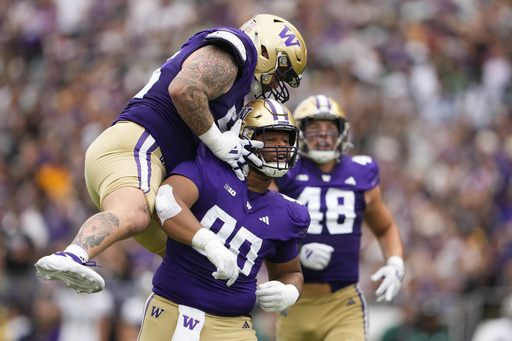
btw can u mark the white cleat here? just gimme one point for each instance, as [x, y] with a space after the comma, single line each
[68, 268]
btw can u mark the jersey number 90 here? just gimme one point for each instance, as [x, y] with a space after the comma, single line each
[242, 237]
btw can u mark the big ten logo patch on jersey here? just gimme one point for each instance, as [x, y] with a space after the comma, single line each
[229, 190]
[156, 311]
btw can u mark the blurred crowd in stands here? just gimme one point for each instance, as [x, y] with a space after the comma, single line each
[426, 86]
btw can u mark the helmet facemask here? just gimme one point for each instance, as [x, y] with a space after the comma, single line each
[280, 158]
[323, 154]
[316, 108]
[274, 83]
[267, 116]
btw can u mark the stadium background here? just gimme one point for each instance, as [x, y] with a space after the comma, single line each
[426, 85]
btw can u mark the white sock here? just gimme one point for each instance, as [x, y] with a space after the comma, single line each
[79, 251]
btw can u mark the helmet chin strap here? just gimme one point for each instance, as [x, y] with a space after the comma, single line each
[270, 169]
[271, 172]
[322, 156]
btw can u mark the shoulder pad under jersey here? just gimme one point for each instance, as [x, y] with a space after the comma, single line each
[233, 40]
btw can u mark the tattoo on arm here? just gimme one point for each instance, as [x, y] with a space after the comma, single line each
[96, 229]
[207, 76]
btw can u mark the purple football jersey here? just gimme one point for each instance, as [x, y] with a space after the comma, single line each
[152, 107]
[336, 204]
[255, 227]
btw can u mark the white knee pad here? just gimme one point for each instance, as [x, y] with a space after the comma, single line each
[165, 205]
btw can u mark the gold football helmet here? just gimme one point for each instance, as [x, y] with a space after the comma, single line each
[321, 107]
[282, 56]
[261, 116]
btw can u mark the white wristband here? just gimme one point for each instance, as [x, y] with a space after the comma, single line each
[292, 294]
[396, 261]
[211, 137]
[165, 204]
[202, 237]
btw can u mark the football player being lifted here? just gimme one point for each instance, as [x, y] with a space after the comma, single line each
[341, 192]
[194, 96]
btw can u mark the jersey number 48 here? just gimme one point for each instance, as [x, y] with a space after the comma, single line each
[339, 210]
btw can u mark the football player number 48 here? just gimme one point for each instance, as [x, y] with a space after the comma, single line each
[340, 214]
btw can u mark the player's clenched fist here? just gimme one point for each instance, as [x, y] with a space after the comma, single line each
[276, 296]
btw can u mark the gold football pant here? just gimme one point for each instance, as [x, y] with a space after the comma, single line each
[125, 155]
[161, 316]
[338, 316]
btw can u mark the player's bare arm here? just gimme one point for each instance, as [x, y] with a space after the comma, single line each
[174, 199]
[207, 74]
[382, 224]
[184, 225]
[287, 273]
